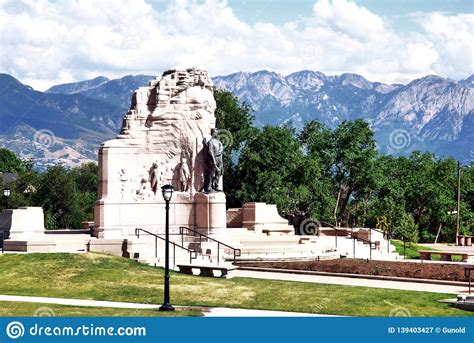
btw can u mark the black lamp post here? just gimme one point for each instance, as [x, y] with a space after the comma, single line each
[167, 191]
[6, 195]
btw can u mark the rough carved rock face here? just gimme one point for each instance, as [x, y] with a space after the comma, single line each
[169, 119]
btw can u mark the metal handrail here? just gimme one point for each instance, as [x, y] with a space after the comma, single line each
[191, 252]
[237, 252]
[467, 274]
[387, 235]
[331, 227]
[372, 245]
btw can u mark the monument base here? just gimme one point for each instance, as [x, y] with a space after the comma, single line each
[30, 246]
[259, 217]
[203, 212]
[211, 214]
[24, 222]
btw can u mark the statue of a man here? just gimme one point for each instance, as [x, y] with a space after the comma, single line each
[184, 175]
[215, 164]
[154, 177]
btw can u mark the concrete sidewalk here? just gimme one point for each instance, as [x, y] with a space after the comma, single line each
[207, 311]
[347, 281]
[450, 247]
[76, 302]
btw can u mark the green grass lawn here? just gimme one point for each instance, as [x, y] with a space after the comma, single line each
[104, 277]
[412, 251]
[22, 309]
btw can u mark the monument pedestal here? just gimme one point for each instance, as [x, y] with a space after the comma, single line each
[205, 213]
[211, 214]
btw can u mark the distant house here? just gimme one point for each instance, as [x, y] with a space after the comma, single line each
[9, 178]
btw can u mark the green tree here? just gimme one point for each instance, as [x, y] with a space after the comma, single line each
[9, 162]
[268, 166]
[59, 197]
[316, 187]
[406, 229]
[234, 123]
[354, 167]
[86, 180]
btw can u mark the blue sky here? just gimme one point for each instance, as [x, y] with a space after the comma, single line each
[281, 11]
[46, 42]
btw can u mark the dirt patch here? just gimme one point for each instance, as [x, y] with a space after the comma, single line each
[435, 271]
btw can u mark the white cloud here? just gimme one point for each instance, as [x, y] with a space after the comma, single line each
[453, 38]
[45, 42]
[348, 18]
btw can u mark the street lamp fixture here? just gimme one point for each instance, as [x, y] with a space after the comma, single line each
[6, 195]
[167, 191]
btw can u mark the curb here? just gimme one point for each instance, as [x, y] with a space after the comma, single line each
[356, 276]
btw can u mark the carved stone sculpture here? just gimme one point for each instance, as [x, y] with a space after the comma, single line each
[154, 177]
[184, 175]
[161, 142]
[123, 179]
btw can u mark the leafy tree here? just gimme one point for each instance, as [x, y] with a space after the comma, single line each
[58, 195]
[316, 189]
[406, 229]
[268, 165]
[86, 180]
[234, 122]
[355, 151]
[318, 141]
[9, 162]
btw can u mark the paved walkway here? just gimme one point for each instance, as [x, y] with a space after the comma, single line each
[207, 311]
[338, 280]
[445, 247]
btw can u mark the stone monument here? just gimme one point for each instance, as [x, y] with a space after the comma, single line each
[26, 229]
[168, 137]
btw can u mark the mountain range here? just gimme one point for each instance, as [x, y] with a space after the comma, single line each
[69, 121]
